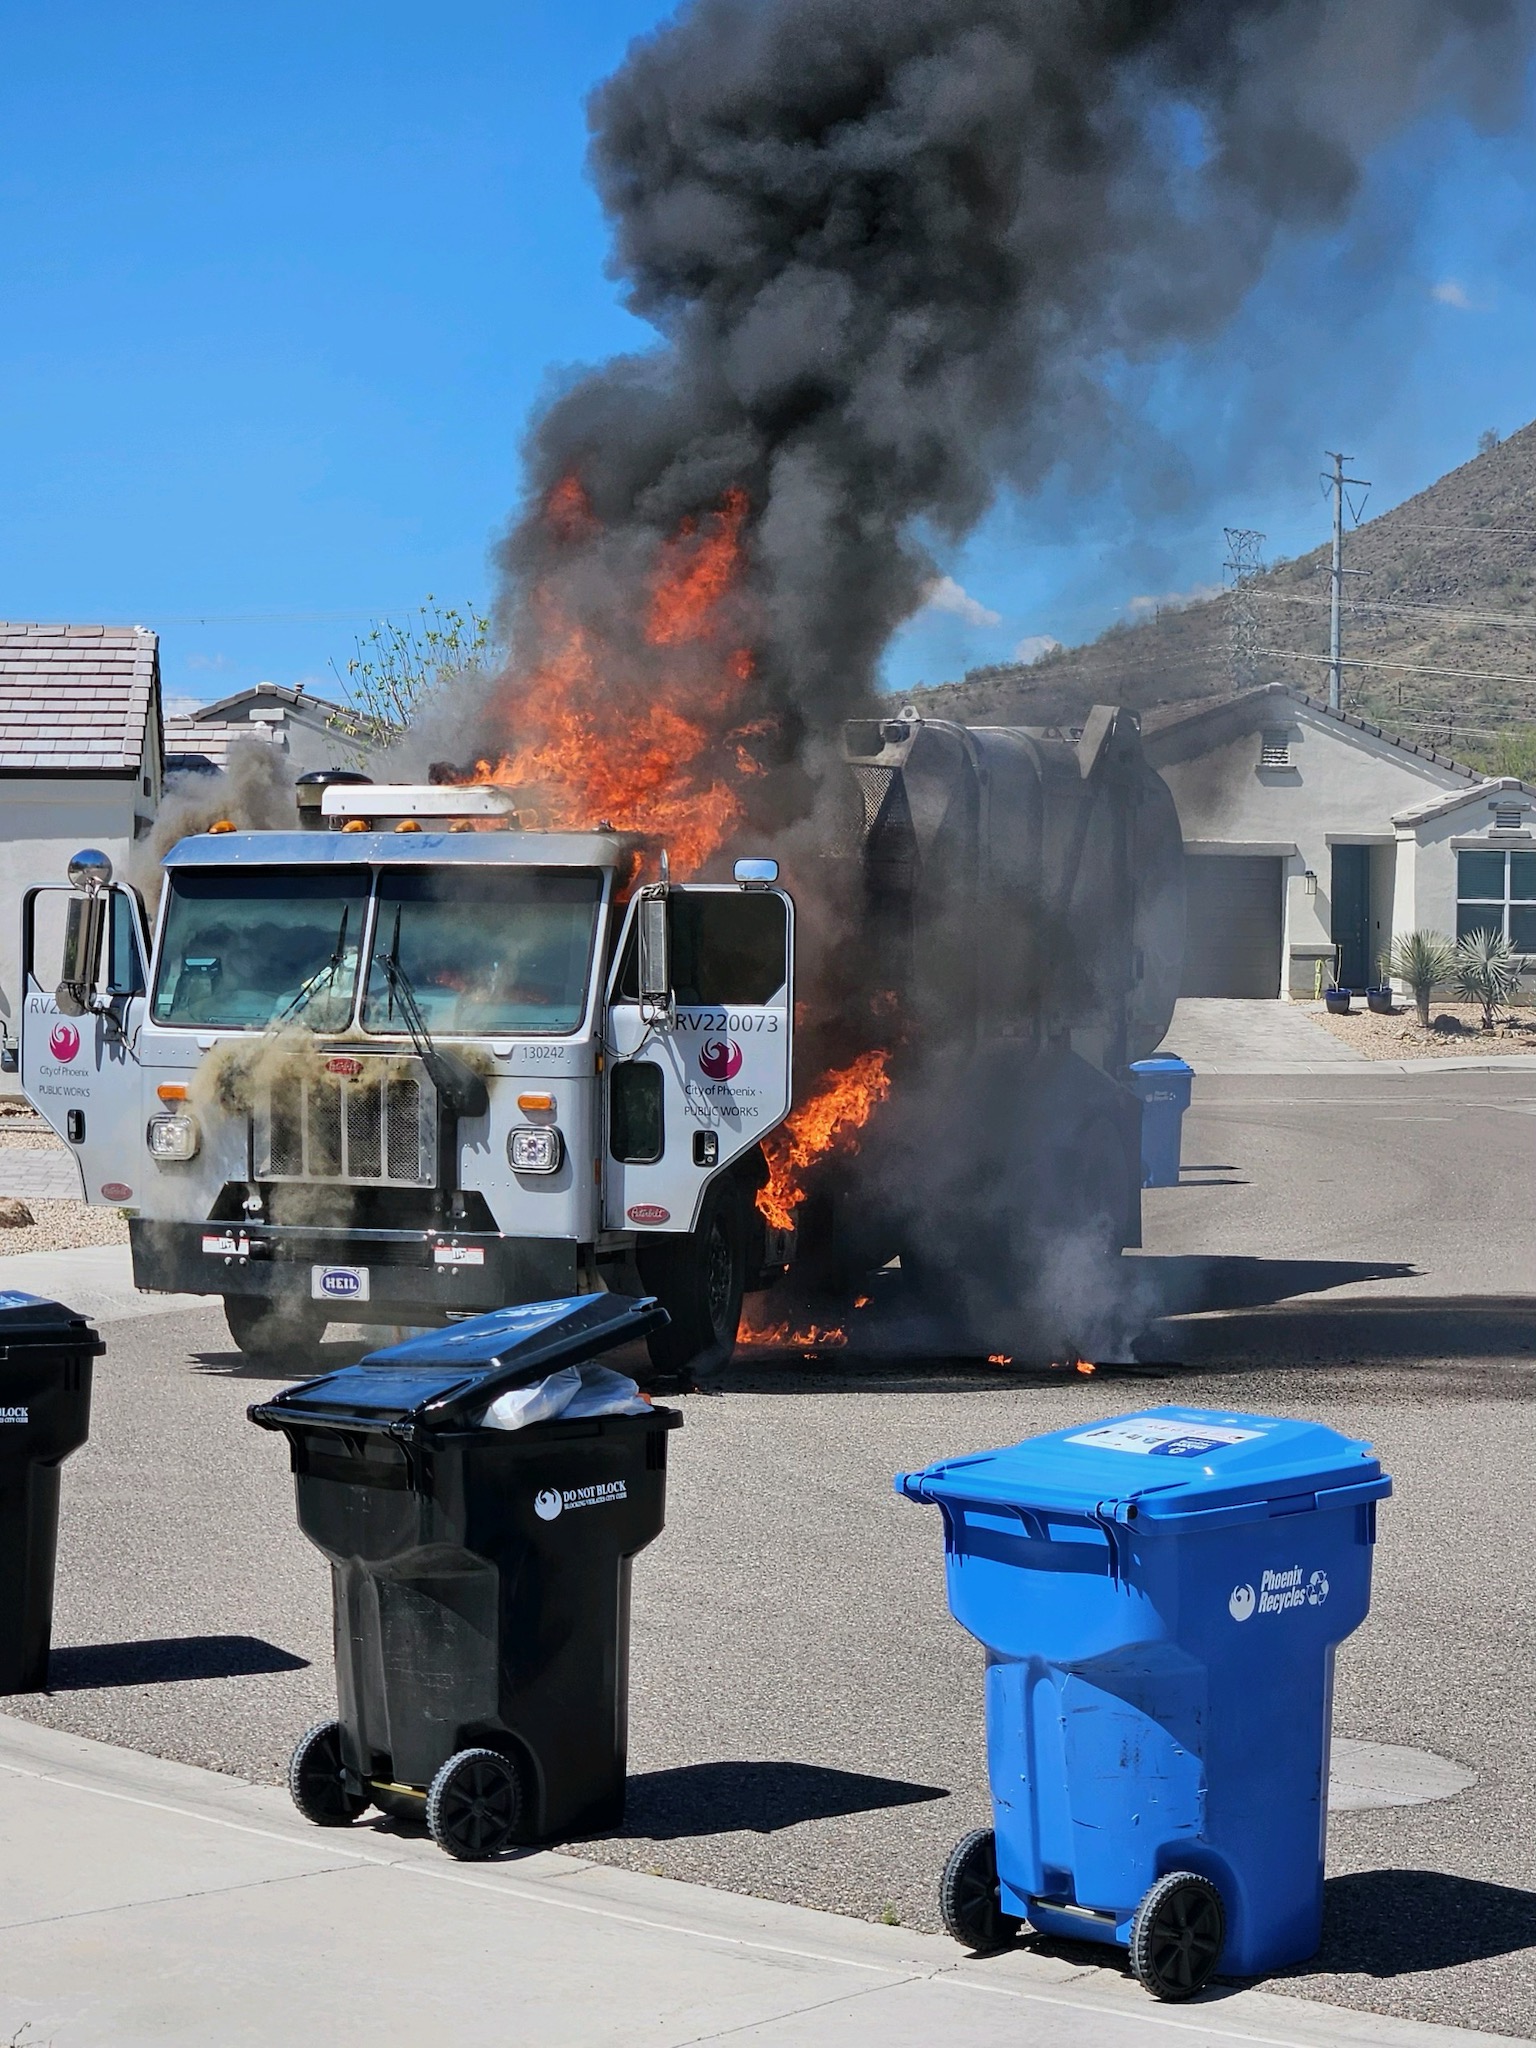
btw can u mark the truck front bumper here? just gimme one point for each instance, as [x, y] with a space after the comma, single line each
[428, 1273]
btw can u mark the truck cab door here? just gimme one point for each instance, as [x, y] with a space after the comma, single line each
[701, 1076]
[77, 1064]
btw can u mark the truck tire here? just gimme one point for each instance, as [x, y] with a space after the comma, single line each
[699, 1280]
[275, 1333]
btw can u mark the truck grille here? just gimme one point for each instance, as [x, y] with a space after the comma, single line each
[352, 1128]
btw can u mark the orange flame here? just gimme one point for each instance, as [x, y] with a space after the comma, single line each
[783, 1336]
[834, 1115]
[669, 759]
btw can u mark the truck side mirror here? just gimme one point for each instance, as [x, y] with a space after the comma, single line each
[655, 959]
[90, 874]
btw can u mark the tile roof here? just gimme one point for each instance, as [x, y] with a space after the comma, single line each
[75, 697]
[192, 740]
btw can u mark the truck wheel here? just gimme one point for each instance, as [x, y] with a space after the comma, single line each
[272, 1333]
[699, 1280]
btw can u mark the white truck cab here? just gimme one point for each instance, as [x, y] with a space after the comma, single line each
[418, 1065]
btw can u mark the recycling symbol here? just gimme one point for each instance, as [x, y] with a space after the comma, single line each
[1317, 1589]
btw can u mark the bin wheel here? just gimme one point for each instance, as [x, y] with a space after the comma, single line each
[969, 1902]
[317, 1781]
[269, 1333]
[699, 1280]
[475, 1805]
[1177, 1936]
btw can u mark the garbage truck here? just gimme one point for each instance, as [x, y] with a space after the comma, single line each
[415, 1059]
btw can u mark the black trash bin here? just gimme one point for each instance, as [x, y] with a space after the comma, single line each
[46, 1354]
[480, 1577]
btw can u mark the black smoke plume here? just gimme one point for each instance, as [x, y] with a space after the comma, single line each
[893, 251]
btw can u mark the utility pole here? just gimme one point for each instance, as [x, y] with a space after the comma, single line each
[1337, 482]
[1245, 560]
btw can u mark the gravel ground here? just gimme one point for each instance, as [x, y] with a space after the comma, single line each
[1455, 1033]
[62, 1226]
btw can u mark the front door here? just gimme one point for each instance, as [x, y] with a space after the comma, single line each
[79, 1072]
[689, 1093]
[1351, 929]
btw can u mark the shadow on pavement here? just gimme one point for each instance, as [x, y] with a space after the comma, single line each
[1308, 1333]
[760, 1798]
[1192, 1285]
[165, 1661]
[303, 1365]
[1397, 1923]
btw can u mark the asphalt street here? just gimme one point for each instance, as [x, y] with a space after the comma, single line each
[805, 1717]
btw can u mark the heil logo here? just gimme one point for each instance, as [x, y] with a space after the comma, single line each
[720, 1059]
[64, 1043]
[341, 1283]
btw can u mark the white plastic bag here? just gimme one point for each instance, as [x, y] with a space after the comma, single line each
[605, 1392]
[574, 1391]
[520, 1406]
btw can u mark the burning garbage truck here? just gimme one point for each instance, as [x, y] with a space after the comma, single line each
[419, 1057]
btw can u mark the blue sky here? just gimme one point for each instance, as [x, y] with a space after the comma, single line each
[281, 285]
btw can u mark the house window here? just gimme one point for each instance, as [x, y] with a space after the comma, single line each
[1275, 749]
[1496, 892]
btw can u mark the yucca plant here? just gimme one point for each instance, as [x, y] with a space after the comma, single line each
[1487, 972]
[1425, 961]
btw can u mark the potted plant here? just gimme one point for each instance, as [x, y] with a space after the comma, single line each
[1336, 1000]
[1378, 997]
[1424, 960]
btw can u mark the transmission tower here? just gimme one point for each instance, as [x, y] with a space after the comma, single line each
[1245, 561]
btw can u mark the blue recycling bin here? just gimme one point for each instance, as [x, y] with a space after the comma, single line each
[1160, 1598]
[1164, 1087]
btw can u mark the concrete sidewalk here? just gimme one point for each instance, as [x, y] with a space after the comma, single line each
[1225, 1035]
[149, 1902]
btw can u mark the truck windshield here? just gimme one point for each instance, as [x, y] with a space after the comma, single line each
[240, 948]
[485, 950]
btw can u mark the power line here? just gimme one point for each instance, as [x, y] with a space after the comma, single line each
[1408, 606]
[1474, 675]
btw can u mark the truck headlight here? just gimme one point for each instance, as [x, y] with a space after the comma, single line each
[533, 1149]
[174, 1137]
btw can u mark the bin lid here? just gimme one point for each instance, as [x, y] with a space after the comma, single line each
[34, 1319]
[1165, 1063]
[442, 1379]
[1171, 1467]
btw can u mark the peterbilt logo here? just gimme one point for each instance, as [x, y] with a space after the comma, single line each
[349, 1069]
[64, 1042]
[649, 1212]
[720, 1059]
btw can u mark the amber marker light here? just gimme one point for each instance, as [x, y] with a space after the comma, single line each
[531, 1103]
[222, 825]
[172, 1091]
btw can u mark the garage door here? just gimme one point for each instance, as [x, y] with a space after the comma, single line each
[1232, 942]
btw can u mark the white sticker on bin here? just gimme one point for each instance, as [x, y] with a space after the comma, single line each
[1157, 1436]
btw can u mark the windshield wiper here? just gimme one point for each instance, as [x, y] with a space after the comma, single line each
[320, 977]
[455, 1080]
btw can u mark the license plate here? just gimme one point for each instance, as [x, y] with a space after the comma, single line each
[339, 1283]
[458, 1255]
[225, 1244]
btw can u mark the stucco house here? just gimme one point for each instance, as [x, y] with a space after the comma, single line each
[298, 724]
[81, 762]
[1315, 838]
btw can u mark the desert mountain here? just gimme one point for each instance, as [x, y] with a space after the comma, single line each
[1443, 609]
